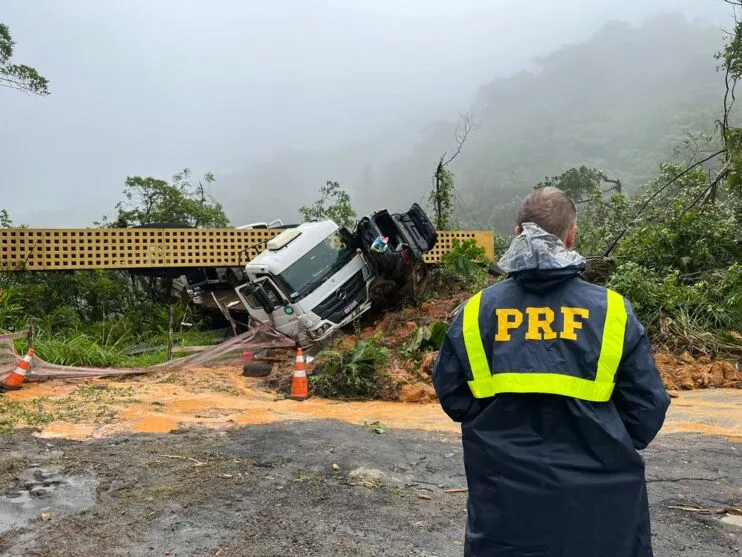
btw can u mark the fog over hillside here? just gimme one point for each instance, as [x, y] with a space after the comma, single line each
[276, 98]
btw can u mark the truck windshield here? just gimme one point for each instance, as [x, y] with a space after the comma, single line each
[316, 266]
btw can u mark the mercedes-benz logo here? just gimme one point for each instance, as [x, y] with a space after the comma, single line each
[341, 294]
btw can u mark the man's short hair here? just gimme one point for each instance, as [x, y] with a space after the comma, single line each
[551, 209]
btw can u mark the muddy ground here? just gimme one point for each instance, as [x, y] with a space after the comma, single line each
[319, 487]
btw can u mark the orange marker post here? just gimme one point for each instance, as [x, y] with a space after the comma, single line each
[299, 385]
[14, 381]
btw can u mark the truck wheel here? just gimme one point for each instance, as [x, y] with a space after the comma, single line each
[383, 293]
[257, 370]
[418, 282]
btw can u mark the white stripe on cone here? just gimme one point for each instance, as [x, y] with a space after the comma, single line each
[21, 371]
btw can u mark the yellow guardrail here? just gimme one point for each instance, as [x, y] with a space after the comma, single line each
[64, 249]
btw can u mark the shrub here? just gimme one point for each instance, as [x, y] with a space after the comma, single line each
[699, 240]
[464, 258]
[671, 306]
[465, 263]
[425, 339]
[351, 374]
[502, 242]
[79, 350]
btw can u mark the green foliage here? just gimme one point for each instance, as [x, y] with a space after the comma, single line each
[678, 262]
[711, 305]
[425, 339]
[18, 76]
[730, 57]
[334, 204]
[150, 200]
[11, 310]
[107, 345]
[580, 184]
[649, 292]
[502, 242]
[465, 261]
[441, 198]
[352, 374]
[599, 221]
[694, 242]
[80, 300]
[598, 216]
[80, 350]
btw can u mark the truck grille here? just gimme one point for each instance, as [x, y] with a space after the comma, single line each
[333, 307]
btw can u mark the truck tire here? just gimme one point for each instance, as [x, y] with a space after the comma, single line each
[418, 282]
[256, 370]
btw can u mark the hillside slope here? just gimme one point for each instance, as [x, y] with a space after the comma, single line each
[621, 101]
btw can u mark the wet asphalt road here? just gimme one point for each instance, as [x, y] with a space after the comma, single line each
[272, 490]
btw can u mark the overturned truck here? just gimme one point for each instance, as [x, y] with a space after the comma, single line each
[317, 277]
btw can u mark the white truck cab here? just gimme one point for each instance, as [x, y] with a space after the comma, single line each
[310, 281]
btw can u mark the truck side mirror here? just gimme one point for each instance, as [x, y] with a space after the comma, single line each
[265, 301]
[262, 298]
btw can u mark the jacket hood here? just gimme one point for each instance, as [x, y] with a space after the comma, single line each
[538, 260]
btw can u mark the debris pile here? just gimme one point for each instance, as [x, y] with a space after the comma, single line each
[687, 372]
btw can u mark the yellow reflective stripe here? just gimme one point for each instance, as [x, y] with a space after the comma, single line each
[480, 367]
[484, 384]
[544, 383]
[611, 349]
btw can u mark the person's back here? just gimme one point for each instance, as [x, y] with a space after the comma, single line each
[554, 383]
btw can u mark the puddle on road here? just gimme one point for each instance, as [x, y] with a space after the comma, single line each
[44, 490]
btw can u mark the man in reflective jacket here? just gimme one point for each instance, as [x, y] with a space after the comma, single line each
[555, 386]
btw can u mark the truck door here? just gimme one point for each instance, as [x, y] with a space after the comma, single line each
[284, 315]
[260, 298]
[265, 303]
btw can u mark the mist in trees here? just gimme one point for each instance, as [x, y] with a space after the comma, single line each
[622, 101]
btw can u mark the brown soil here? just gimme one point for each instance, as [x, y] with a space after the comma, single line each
[687, 373]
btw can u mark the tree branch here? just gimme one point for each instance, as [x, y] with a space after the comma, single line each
[15, 84]
[707, 190]
[462, 134]
[662, 188]
[616, 183]
[35, 85]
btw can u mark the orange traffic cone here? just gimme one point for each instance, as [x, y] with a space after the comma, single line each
[14, 381]
[299, 386]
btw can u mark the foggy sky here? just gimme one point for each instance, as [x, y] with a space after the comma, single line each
[142, 87]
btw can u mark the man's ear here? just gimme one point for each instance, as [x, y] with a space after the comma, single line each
[571, 237]
[518, 230]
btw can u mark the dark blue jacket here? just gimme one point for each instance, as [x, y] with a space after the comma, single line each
[548, 475]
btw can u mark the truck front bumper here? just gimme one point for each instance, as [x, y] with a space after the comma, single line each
[328, 328]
